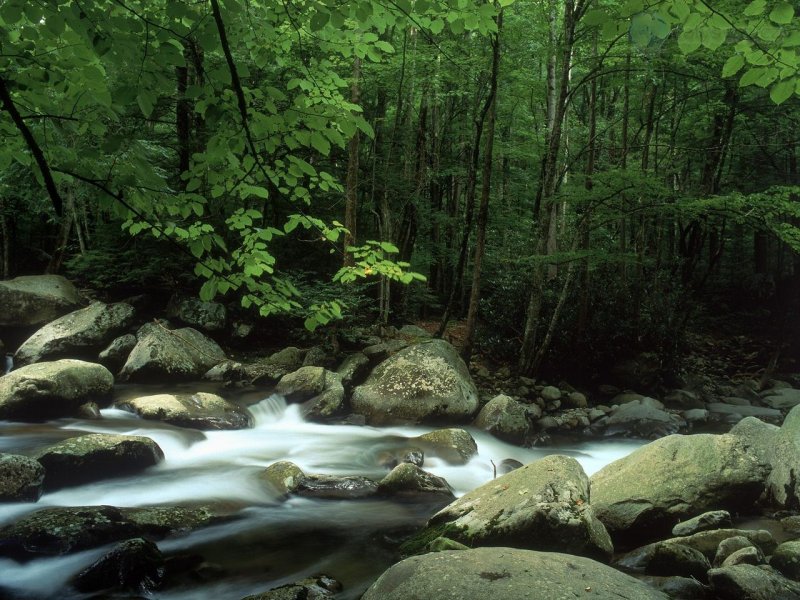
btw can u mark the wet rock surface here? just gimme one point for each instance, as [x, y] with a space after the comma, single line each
[201, 410]
[21, 478]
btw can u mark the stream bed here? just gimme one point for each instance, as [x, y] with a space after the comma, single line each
[271, 542]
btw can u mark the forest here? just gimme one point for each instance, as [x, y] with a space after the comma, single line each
[263, 261]
[570, 181]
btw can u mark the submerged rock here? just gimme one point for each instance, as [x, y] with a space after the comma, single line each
[643, 495]
[505, 573]
[287, 478]
[201, 410]
[424, 383]
[170, 354]
[95, 457]
[541, 506]
[21, 479]
[32, 300]
[52, 389]
[79, 334]
[135, 565]
[411, 482]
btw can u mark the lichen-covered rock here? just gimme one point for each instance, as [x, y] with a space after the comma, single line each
[201, 410]
[750, 582]
[714, 519]
[455, 446]
[79, 334]
[424, 383]
[135, 565]
[744, 556]
[730, 546]
[645, 418]
[52, 389]
[781, 398]
[353, 369]
[96, 456]
[33, 300]
[410, 482]
[208, 316]
[541, 506]
[786, 559]
[678, 559]
[783, 484]
[63, 530]
[287, 478]
[313, 588]
[170, 354]
[283, 476]
[320, 391]
[504, 418]
[709, 542]
[643, 495]
[275, 366]
[679, 588]
[116, 353]
[21, 478]
[505, 573]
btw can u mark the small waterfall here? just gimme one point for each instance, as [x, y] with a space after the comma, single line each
[269, 410]
[9, 364]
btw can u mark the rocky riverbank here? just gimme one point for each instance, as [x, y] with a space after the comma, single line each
[663, 514]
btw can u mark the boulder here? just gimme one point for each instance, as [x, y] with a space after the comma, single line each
[783, 484]
[424, 383]
[678, 559]
[454, 446]
[135, 565]
[201, 410]
[312, 588]
[353, 369]
[761, 412]
[319, 356]
[680, 588]
[505, 573]
[717, 544]
[715, 519]
[33, 300]
[781, 398]
[96, 456]
[504, 418]
[53, 389]
[550, 393]
[750, 582]
[642, 496]
[645, 418]
[79, 334]
[407, 481]
[208, 316]
[744, 556]
[21, 478]
[170, 354]
[730, 546]
[786, 559]
[287, 478]
[541, 506]
[320, 391]
[116, 353]
[380, 351]
[63, 530]
[275, 366]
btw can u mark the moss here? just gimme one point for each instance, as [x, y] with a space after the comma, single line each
[420, 541]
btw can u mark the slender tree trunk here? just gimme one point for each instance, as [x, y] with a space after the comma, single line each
[62, 238]
[483, 210]
[351, 204]
[183, 119]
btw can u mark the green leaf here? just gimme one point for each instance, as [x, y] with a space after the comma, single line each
[756, 7]
[733, 65]
[689, 41]
[146, 101]
[782, 14]
[712, 38]
[320, 144]
[751, 76]
[782, 91]
[208, 291]
[680, 9]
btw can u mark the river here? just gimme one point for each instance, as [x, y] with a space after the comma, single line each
[272, 542]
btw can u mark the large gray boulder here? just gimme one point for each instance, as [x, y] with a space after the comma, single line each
[32, 300]
[504, 418]
[201, 410]
[541, 506]
[786, 559]
[426, 382]
[170, 354]
[79, 334]
[21, 478]
[505, 573]
[53, 389]
[783, 484]
[751, 582]
[275, 366]
[643, 495]
[62, 530]
[321, 392]
[95, 457]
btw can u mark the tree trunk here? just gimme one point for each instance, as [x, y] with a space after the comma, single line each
[483, 210]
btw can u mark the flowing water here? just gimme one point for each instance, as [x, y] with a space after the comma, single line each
[271, 542]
